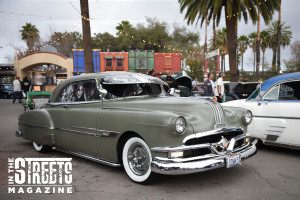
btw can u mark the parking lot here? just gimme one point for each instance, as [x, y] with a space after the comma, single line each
[273, 173]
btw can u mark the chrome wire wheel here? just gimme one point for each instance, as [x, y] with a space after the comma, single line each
[137, 160]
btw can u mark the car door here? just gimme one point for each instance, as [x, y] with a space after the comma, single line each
[75, 117]
[279, 114]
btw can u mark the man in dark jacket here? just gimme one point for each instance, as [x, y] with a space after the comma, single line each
[209, 86]
[26, 85]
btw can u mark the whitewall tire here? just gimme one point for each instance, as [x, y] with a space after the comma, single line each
[41, 148]
[137, 160]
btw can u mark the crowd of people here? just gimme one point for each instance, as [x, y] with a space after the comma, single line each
[215, 89]
[20, 88]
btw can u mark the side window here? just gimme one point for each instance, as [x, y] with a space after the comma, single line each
[289, 91]
[80, 91]
[272, 94]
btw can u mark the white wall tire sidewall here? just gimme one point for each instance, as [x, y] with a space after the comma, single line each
[37, 147]
[131, 174]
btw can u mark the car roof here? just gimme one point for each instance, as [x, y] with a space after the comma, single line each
[107, 78]
[276, 79]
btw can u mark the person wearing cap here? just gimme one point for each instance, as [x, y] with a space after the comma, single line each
[17, 90]
[220, 87]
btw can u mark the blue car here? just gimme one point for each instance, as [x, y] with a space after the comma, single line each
[6, 90]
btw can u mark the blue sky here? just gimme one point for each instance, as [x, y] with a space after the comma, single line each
[58, 15]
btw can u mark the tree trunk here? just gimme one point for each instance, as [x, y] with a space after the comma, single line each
[279, 40]
[87, 41]
[263, 64]
[242, 61]
[254, 55]
[231, 45]
[258, 46]
[274, 59]
[215, 41]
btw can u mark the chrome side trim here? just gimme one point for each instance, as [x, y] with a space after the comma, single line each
[72, 103]
[31, 125]
[85, 128]
[278, 117]
[75, 131]
[108, 134]
[82, 155]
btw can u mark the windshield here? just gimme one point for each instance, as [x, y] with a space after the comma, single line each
[255, 94]
[130, 90]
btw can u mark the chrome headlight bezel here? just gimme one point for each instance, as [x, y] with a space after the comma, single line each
[180, 125]
[247, 117]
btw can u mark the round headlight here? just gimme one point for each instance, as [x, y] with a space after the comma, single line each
[247, 118]
[180, 125]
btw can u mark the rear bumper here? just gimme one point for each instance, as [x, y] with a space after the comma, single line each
[195, 166]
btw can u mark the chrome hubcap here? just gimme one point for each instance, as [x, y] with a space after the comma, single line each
[138, 159]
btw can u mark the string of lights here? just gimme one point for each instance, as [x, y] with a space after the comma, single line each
[30, 15]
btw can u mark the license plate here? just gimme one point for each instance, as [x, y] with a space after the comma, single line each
[233, 160]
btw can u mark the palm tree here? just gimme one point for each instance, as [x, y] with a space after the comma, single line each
[258, 45]
[87, 39]
[30, 34]
[123, 28]
[278, 39]
[285, 38]
[234, 9]
[265, 43]
[243, 42]
[252, 42]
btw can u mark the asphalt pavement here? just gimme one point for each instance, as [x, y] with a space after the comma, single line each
[273, 173]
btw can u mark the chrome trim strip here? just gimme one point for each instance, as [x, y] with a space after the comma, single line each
[31, 125]
[72, 103]
[85, 128]
[89, 157]
[74, 131]
[179, 148]
[277, 126]
[274, 131]
[278, 117]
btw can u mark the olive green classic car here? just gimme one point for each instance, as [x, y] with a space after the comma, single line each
[127, 119]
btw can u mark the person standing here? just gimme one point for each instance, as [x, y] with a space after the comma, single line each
[209, 86]
[151, 72]
[194, 83]
[170, 80]
[17, 89]
[26, 85]
[220, 87]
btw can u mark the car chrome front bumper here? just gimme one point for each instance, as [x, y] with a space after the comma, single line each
[194, 166]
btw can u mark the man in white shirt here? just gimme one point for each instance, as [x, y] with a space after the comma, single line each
[220, 87]
[17, 90]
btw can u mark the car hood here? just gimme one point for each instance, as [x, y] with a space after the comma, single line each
[198, 112]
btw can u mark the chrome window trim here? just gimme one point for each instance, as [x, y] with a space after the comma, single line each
[72, 103]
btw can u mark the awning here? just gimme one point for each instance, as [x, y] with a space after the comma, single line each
[119, 57]
[108, 57]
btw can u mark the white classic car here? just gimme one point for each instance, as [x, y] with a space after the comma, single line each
[275, 106]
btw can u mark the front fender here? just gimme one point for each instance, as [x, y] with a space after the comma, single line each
[233, 117]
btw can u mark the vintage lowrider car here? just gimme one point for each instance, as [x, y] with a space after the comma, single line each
[275, 106]
[122, 118]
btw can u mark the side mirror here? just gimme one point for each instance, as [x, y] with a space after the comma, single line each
[103, 93]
